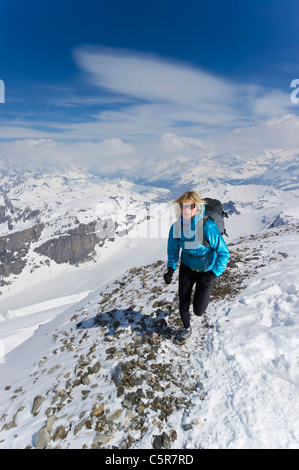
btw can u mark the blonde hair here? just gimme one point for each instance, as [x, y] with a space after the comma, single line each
[192, 196]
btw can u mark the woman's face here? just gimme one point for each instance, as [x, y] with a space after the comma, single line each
[188, 209]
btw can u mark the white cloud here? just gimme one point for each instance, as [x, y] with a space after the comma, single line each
[152, 78]
[114, 154]
[20, 132]
[194, 111]
[274, 133]
[272, 104]
[172, 95]
[174, 143]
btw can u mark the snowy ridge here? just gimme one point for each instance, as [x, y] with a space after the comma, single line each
[277, 168]
[41, 210]
[54, 202]
[62, 196]
[105, 373]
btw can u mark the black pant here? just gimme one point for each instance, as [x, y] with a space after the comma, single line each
[204, 283]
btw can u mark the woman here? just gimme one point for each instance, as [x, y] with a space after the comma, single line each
[200, 264]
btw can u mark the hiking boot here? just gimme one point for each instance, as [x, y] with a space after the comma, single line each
[182, 335]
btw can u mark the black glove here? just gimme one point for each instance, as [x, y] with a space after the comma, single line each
[168, 275]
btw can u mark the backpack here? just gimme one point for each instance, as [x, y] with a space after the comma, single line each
[215, 212]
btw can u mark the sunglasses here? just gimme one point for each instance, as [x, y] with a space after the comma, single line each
[188, 206]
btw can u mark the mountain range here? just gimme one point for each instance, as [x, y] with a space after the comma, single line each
[65, 214]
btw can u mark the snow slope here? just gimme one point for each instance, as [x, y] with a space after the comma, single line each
[252, 359]
[235, 383]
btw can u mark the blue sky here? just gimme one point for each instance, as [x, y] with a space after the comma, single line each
[122, 75]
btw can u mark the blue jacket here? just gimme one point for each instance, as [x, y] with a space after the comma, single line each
[188, 238]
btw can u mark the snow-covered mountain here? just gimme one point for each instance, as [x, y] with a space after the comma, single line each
[63, 214]
[278, 168]
[104, 373]
[53, 216]
[116, 379]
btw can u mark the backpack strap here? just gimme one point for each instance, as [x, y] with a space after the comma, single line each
[204, 241]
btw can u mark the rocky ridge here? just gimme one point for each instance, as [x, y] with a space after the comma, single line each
[111, 376]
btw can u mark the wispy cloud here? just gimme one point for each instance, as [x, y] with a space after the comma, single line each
[288, 67]
[90, 154]
[151, 78]
[273, 133]
[169, 94]
[193, 94]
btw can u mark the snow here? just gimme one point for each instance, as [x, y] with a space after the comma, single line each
[253, 388]
[247, 393]
[19, 325]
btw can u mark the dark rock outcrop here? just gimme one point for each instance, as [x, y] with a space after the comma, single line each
[14, 248]
[76, 246]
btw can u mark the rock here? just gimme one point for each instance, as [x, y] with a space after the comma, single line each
[59, 433]
[129, 415]
[140, 361]
[42, 361]
[118, 376]
[50, 421]
[85, 394]
[127, 403]
[138, 339]
[74, 246]
[38, 400]
[14, 248]
[140, 409]
[42, 438]
[135, 381]
[79, 426]
[157, 387]
[85, 379]
[187, 427]
[54, 369]
[92, 349]
[161, 442]
[127, 442]
[103, 438]
[95, 368]
[10, 425]
[97, 410]
[111, 350]
[155, 339]
[115, 416]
